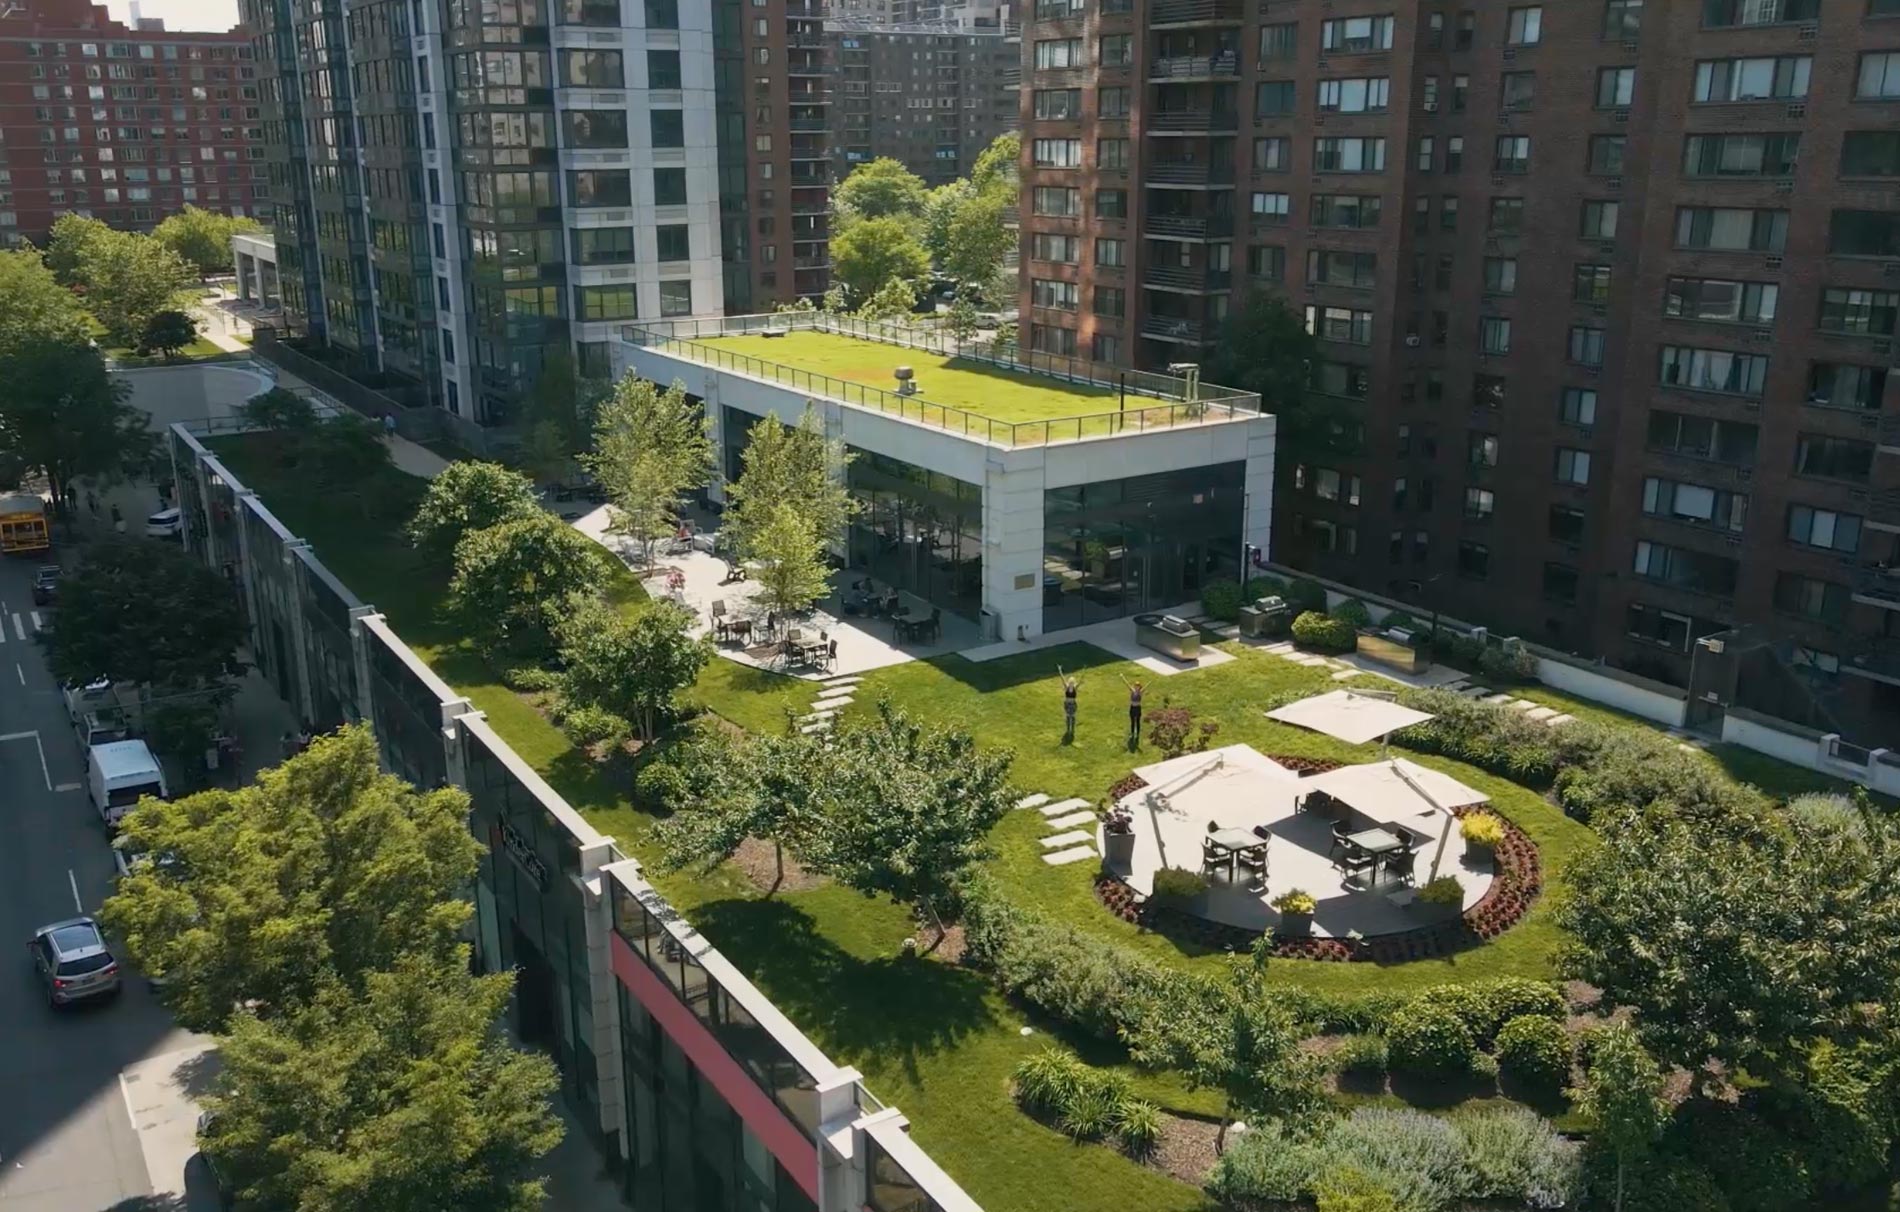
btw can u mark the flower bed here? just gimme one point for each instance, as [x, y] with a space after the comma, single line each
[1304, 766]
[1126, 786]
[1518, 881]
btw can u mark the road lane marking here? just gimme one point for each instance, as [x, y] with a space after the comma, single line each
[21, 736]
[20, 671]
[35, 616]
[69, 787]
[17, 629]
[78, 907]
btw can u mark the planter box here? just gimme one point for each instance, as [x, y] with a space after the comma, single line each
[1403, 657]
[1118, 851]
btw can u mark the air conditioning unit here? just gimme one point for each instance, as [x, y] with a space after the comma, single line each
[1411, 340]
[1431, 107]
[1772, 262]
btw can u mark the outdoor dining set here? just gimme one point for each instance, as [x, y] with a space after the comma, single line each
[796, 647]
[1357, 849]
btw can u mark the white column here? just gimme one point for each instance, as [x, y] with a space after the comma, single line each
[1012, 542]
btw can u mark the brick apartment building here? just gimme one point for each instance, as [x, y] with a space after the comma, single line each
[126, 124]
[1606, 294]
[932, 95]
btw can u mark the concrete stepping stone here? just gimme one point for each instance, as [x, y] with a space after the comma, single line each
[1343, 674]
[847, 680]
[847, 693]
[820, 726]
[1475, 692]
[815, 716]
[1279, 649]
[1555, 720]
[1033, 801]
[1071, 820]
[1522, 705]
[1064, 807]
[1540, 713]
[1056, 841]
[1501, 699]
[1074, 854]
[1310, 661]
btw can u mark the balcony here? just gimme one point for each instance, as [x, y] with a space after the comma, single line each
[1883, 509]
[1889, 439]
[1173, 328]
[811, 208]
[1185, 13]
[807, 125]
[810, 97]
[809, 154]
[808, 68]
[1195, 67]
[1191, 122]
[1186, 172]
[810, 178]
[1878, 587]
[1187, 278]
[1188, 227]
[820, 261]
[803, 39]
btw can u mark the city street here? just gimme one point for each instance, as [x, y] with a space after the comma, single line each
[68, 1138]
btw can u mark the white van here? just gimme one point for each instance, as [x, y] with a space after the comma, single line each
[118, 774]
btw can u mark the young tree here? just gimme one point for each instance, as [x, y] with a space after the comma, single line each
[202, 238]
[792, 465]
[167, 332]
[73, 239]
[554, 415]
[400, 1094]
[790, 555]
[633, 667]
[651, 448]
[515, 582]
[324, 869]
[891, 301]
[465, 496]
[146, 614]
[129, 278]
[1621, 1095]
[877, 189]
[872, 252]
[39, 311]
[768, 787]
[64, 415]
[962, 320]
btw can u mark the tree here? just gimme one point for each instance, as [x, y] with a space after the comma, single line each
[891, 301]
[977, 240]
[1745, 939]
[1236, 1038]
[790, 557]
[129, 278]
[202, 238]
[962, 320]
[146, 614]
[402, 1094]
[940, 208]
[871, 252]
[793, 465]
[345, 450]
[878, 189]
[65, 416]
[768, 787]
[651, 448]
[166, 333]
[72, 242]
[1621, 1095]
[555, 413]
[999, 165]
[324, 869]
[514, 582]
[633, 667]
[1264, 347]
[39, 310]
[465, 496]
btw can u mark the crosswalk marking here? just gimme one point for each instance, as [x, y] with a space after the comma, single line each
[18, 630]
[35, 616]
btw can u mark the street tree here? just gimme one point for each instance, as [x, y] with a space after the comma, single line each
[977, 240]
[202, 238]
[651, 449]
[872, 252]
[39, 311]
[147, 614]
[323, 870]
[999, 165]
[891, 301]
[401, 1094]
[632, 667]
[878, 189]
[167, 332]
[71, 243]
[788, 555]
[468, 495]
[64, 415]
[515, 582]
[1621, 1097]
[792, 465]
[1264, 347]
[962, 321]
[129, 278]
[940, 208]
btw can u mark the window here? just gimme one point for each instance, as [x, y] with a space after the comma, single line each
[1111, 153]
[1809, 598]
[1590, 284]
[663, 14]
[1879, 77]
[1057, 53]
[603, 188]
[1731, 229]
[673, 242]
[1695, 571]
[1840, 385]
[1765, 79]
[1560, 583]
[1112, 102]
[1347, 324]
[1616, 87]
[1598, 221]
[602, 245]
[1448, 212]
[1112, 253]
[1487, 391]
[1052, 339]
[1273, 155]
[1695, 504]
[1454, 153]
[1517, 91]
[1494, 335]
[1718, 370]
[1358, 95]
[676, 298]
[1586, 345]
[1525, 27]
[1064, 250]
[1654, 625]
[594, 127]
[1267, 262]
[1356, 35]
[1622, 20]
[1481, 449]
[1116, 50]
[1057, 201]
[1864, 233]
[1105, 347]
[1111, 301]
[1460, 91]
[1427, 153]
[1870, 153]
[1270, 207]
[1824, 528]
[1057, 104]
[603, 303]
[1577, 406]
[1566, 524]
[1064, 296]
[1330, 485]
[592, 69]
[1279, 41]
[1740, 155]
[1331, 268]
[1345, 210]
[663, 69]
[1348, 155]
[669, 186]
[1507, 216]
[1474, 560]
[1347, 379]
[1859, 313]
[1512, 154]
[1111, 204]
[1272, 98]
[1056, 153]
[1720, 14]
[1719, 300]
[1702, 438]
[1606, 155]
[1833, 458]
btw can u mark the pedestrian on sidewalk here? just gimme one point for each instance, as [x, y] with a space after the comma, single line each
[389, 426]
[1070, 684]
[1134, 714]
[92, 502]
[118, 520]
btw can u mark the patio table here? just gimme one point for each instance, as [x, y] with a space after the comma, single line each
[1378, 843]
[1236, 841]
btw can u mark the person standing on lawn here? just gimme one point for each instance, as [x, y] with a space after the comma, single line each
[1134, 714]
[1070, 684]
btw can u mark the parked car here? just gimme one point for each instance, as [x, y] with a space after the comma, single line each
[46, 585]
[73, 961]
[165, 524]
[207, 1130]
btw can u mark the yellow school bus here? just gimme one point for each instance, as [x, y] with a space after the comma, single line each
[23, 526]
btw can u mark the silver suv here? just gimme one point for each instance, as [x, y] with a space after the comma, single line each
[73, 962]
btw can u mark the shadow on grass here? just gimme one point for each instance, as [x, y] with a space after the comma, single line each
[892, 1008]
[1033, 665]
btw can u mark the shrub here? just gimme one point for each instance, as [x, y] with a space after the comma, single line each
[1262, 585]
[662, 785]
[1429, 1038]
[1322, 633]
[1172, 730]
[1178, 884]
[1352, 1190]
[1221, 600]
[1048, 1080]
[1535, 1050]
[1419, 1158]
[1443, 892]
[1140, 1127]
[1361, 1054]
[1515, 664]
[531, 679]
[1295, 900]
[1830, 813]
[587, 726]
[1490, 737]
[1398, 620]
[1302, 595]
[1512, 1153]
[1516, 997]
[1632, 767]
[1481, 829]
[1352, 611]
[1094, 1107]
[1266, 1165]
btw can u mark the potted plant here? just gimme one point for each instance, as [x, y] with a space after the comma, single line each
[1118, 839]
[1443, 897]
[1296, 906]
[1177, 886]
[1483, 833]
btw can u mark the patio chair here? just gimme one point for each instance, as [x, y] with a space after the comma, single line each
[933, 626]
[1404, 866]
[1213, 858]
[1340, 847]
[1355, 862]
[831, 654]
[719, 619]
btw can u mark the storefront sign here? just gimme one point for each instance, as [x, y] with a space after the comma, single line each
[523, 854]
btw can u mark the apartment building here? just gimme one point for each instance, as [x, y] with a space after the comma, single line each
[124, 123]
[927, 94]
[1605, 292]
[463, 189]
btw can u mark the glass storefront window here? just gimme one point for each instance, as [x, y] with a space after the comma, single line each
[919, 530]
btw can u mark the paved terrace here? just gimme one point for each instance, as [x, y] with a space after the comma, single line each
[1006, 397]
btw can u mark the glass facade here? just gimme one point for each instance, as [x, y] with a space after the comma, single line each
[1120, 547]
[919, 530]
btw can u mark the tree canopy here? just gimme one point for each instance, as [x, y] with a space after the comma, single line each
[651, 448]
[792, 465]
[398, 1094]
[515, 582]
[145, 613]
[324, 869]
[129, 278]
[64, 415]
[632, 667]
[39, 309]
[976, 240]
[468, 495]
[72, 241]
[1264, 347]
[872, 252]
[877, 189]
[999, 165]
[167, 332]
[202, 238]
